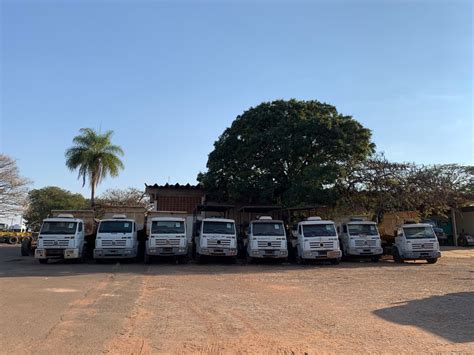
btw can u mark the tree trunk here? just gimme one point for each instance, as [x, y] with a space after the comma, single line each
[92, 194]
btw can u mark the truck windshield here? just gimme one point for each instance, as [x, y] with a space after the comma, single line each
[419, 232]
[268, 229]
[115, 227]
[218, 228]
[362, 229]
[59, 228]
[166, 227]
[319, 230]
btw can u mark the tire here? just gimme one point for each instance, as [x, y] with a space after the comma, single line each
[147, 259]
[12, 240]
[396, 256]
[375, 259]
[335, 261]
[25, 247]
[432, 260]
[183, 259]
[249, 259]
[199, 258]
[43, 261]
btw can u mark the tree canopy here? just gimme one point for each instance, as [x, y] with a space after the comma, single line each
[95, 157]
[285, 152]
[379, 186]
[123, 197]
[42, 201]
[13, 187]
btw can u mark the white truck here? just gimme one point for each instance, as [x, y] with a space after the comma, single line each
[415, 241]
[167, 236]
[317, 240]
[61, 237]
[360, 238]
[116, 238]
[266, 238]
[215, 237]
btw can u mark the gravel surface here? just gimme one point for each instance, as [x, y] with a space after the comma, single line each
[216, 308]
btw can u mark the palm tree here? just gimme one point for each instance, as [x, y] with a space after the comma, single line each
[95, 157]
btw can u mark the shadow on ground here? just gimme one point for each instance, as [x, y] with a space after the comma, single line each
[450, 316]
[13, 265]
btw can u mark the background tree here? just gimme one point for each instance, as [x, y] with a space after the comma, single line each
[124, 197]
[378, 186]
[95, 157]
[13, 188]
[42, 201]
[288, 152]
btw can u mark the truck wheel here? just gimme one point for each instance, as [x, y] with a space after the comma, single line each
[183, 259]
[12, 240]
[199, 258]
[43, 261]
[396, 256]
[335, 261]
[375, 259]
[432, 260]
[147, 258]
[249, 259]
[25, 247]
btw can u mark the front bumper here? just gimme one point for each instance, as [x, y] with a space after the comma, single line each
[321, 254]
[416, 255]
[364, 251]
[167, 251]
[269, 253]
[219, 252]
[114, 253]
[69, 253]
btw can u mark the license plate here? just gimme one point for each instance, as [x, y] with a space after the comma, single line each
[218, 251]
[333, 254]
[269, 252]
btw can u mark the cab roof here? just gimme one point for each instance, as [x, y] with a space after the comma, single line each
[117, 220]
[268, 221]
[316, 222]
[361, 222]
[171, 219]
[217, 219]
[62, 219]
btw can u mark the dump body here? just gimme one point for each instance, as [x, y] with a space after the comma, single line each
[116, 238]
[61, 238]
[266, 238]
[360, 238]
[166, 236]
[215, 237]
[416, 241]
[317, 239]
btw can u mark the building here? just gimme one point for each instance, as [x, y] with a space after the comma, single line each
[175, 198]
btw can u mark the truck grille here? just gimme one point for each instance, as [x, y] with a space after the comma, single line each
[422, 246]
[167, 242]
[265, 244]
[216, 243]
[114, 243]
[322, 245]
[365, 243]
[55, 243]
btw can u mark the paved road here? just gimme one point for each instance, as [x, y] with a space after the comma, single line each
[135, 308]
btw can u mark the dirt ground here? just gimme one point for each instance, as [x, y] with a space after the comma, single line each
[216, 308]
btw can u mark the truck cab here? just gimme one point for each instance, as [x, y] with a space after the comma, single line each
[61, 237]
[167, 237]
[416, 241]
[215, 237]
[116, 238]
[317, 240]
[361, 238]
[266, 238]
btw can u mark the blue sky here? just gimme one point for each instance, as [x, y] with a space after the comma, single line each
[168, 78]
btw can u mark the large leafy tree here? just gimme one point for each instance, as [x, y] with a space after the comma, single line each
[288, 152]
[42, 201]
[95, 157]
